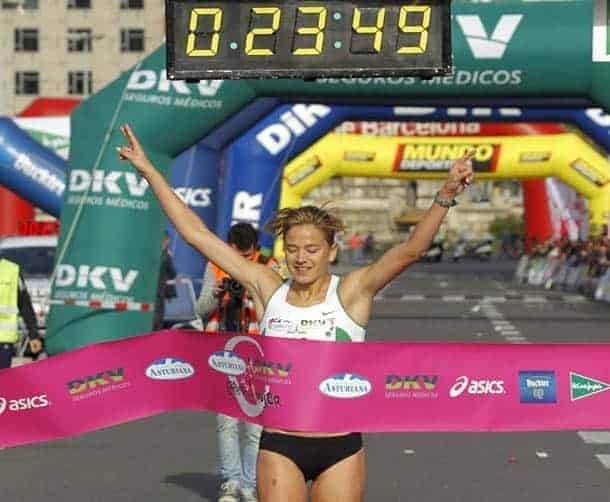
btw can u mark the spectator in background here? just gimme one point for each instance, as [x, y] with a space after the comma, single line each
[15, 300]
[165, 288]
[368, 245]
[355, 244]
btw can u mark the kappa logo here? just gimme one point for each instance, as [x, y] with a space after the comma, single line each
[482, 45]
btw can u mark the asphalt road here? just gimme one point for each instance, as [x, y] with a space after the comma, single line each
[173, 457]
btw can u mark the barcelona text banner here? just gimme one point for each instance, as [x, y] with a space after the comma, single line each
[309, 386]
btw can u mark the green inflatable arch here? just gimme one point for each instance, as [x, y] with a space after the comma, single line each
[111, 226]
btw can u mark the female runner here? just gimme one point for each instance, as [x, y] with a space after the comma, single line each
[334, 463]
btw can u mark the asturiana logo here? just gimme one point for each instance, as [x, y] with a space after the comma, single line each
[170, 368]
[476, 387]
[227, 362]
[24, 403]
[345, 386]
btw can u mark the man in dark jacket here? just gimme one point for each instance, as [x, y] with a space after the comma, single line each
[165, 290]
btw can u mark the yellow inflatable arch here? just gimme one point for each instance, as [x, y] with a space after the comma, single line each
[566, 156]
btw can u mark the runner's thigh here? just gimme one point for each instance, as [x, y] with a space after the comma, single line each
[343, 482]
[278, 479]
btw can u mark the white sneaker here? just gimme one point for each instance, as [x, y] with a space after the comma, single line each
[229, 491]
[249, 496]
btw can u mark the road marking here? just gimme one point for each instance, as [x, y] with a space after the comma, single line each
[534, 299]
[412, 298]
[494, 299]
[604, 459]
[574, 298]
[516, 339]
[595, 437]
[454, 298]
[482, 301]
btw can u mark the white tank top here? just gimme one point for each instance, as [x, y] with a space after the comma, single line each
[323, 321]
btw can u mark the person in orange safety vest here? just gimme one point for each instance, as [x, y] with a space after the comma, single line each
[223, 301]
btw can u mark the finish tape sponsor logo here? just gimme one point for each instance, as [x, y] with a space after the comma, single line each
[169, 368]
[537, 387]
[527, 157]
[250, 400]
[271, 371]
[345, 386]
[227, 362]
[302, 170]
[465, 385]
[434, 157]
[94, 385]
[589, 172]
[23, 403]
[411, 386]
[582, 386]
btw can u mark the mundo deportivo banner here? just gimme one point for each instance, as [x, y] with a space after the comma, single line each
[309, 386]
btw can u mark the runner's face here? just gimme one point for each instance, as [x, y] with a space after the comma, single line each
[308, 254]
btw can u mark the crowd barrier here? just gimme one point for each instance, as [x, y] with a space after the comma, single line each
[567, 275]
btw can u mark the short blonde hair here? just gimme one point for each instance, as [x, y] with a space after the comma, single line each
[320, 217]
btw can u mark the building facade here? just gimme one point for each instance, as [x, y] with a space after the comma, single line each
[71, 48]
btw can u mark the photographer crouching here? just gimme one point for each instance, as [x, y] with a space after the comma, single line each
[225, 304]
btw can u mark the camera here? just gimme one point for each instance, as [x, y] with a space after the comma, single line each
[232, 286]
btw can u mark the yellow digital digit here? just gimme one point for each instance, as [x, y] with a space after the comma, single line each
[376, 30]
[422, 28]
[191, 39]
[317, 31]
[275, 14]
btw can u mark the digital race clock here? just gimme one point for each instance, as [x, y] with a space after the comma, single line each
[307, 39]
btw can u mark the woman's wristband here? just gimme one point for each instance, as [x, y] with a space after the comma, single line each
[446, 203]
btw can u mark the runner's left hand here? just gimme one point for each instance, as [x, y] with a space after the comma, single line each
[459, 177]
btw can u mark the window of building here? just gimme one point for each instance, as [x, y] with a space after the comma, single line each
[132, 40]
[79, 4]
[79, 39]
[27, 82]
[26, 39]
[22, 4]
[80, 82]
[132, 4]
